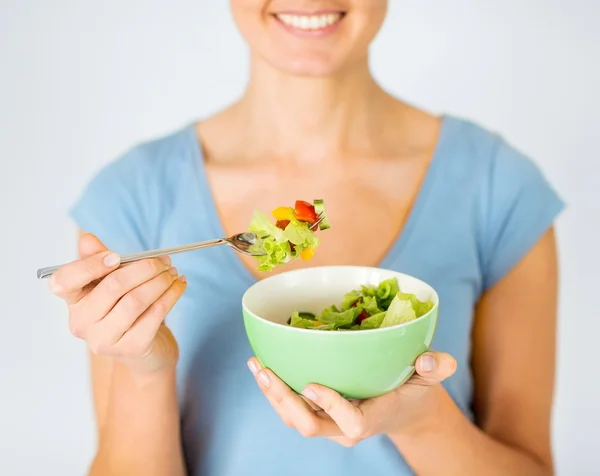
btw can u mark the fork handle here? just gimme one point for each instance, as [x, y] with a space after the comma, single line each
[49, 271]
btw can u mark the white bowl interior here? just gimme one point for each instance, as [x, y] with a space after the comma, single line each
[314, 289]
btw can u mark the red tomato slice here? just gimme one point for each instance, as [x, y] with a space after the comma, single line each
[305, 212]
[362, 316]
[282, 224]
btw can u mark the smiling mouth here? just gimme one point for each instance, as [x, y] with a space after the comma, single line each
[311, 22]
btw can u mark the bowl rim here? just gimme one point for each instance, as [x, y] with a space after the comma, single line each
[320, 332]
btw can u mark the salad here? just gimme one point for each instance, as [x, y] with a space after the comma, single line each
[290, 236]
[368, 308]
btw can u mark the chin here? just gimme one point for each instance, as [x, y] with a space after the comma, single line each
[314, 67]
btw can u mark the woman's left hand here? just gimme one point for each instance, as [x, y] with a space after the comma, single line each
[320, 411]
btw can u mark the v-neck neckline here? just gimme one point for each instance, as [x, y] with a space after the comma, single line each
[401, 240]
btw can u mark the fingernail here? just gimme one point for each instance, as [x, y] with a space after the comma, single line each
[173, 271]
[253, 367]
[264, 378]
[182, 279]
[166, 260]
[111, 259]
[310, 394]
[427, 363]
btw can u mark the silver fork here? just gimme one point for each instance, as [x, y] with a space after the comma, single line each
[245, 243]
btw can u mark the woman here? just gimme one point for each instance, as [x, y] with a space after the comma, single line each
[439, 198]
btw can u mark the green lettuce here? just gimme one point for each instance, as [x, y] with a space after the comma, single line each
[420, 308]
[385, 305]
[297, 321]
[369, 304]
[399, 312]
[373, 322]
[350, 299]
[386, 292]
[339, 319]
[276, 241]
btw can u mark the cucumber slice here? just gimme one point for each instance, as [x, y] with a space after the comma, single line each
[307, 315]
[320, 210]
[304, 315]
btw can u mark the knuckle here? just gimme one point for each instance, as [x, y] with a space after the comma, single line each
[55, 285]
[152, 266]
[89, 269]
[358, 431]
[355, 434]
[158, 308]
[75, 328]
[114, 283]
[332, 403]
[348, 443]
[166, 279]
[97, 347]
[288, 423]
[133, 303]
[309, 428]
[277, 397]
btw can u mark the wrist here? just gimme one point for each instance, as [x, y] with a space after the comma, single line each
[160, 359]
[142, 375]
[437, 410]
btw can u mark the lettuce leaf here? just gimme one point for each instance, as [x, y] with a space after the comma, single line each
[370, 305]
[262, 225]
[277, 253]
[373, 322]
[349, 299]
[339, 318]
[399, 312]
[297, 321]
[299, 233]
[386, 305]
[420, 308]
[386, 292]
[276, 241]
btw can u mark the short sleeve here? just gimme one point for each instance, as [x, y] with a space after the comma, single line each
[116, 205]
[519, 207]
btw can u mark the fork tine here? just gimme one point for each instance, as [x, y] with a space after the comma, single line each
[316, 224]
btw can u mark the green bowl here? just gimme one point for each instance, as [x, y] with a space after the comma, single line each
[357, 364]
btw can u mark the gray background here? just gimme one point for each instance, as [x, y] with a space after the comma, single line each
[82, 81]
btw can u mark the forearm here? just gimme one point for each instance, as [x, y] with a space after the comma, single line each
[140, 433]
[448, 443]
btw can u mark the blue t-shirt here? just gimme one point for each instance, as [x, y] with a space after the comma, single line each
[481, 208]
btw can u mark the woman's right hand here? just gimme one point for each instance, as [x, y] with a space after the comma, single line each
[119, 312]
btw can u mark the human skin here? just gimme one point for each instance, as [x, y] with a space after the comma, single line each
[312, 105]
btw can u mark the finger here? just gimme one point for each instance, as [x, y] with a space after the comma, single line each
[344, 441]
[433, 368]
[68, 281]
[90, 245]
[348, 417]
[280, 412]
[297, 412]
[140, 335]
[118, 283]
[132, 305]
[313, 406]
[255, 367]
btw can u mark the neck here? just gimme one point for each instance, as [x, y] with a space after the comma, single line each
[310, 119]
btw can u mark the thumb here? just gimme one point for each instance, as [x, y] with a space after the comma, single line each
[90, 245]
[434, 367]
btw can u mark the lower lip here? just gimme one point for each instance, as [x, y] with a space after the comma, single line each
[310, 33]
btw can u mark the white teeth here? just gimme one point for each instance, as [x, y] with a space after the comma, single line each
[309, 22]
